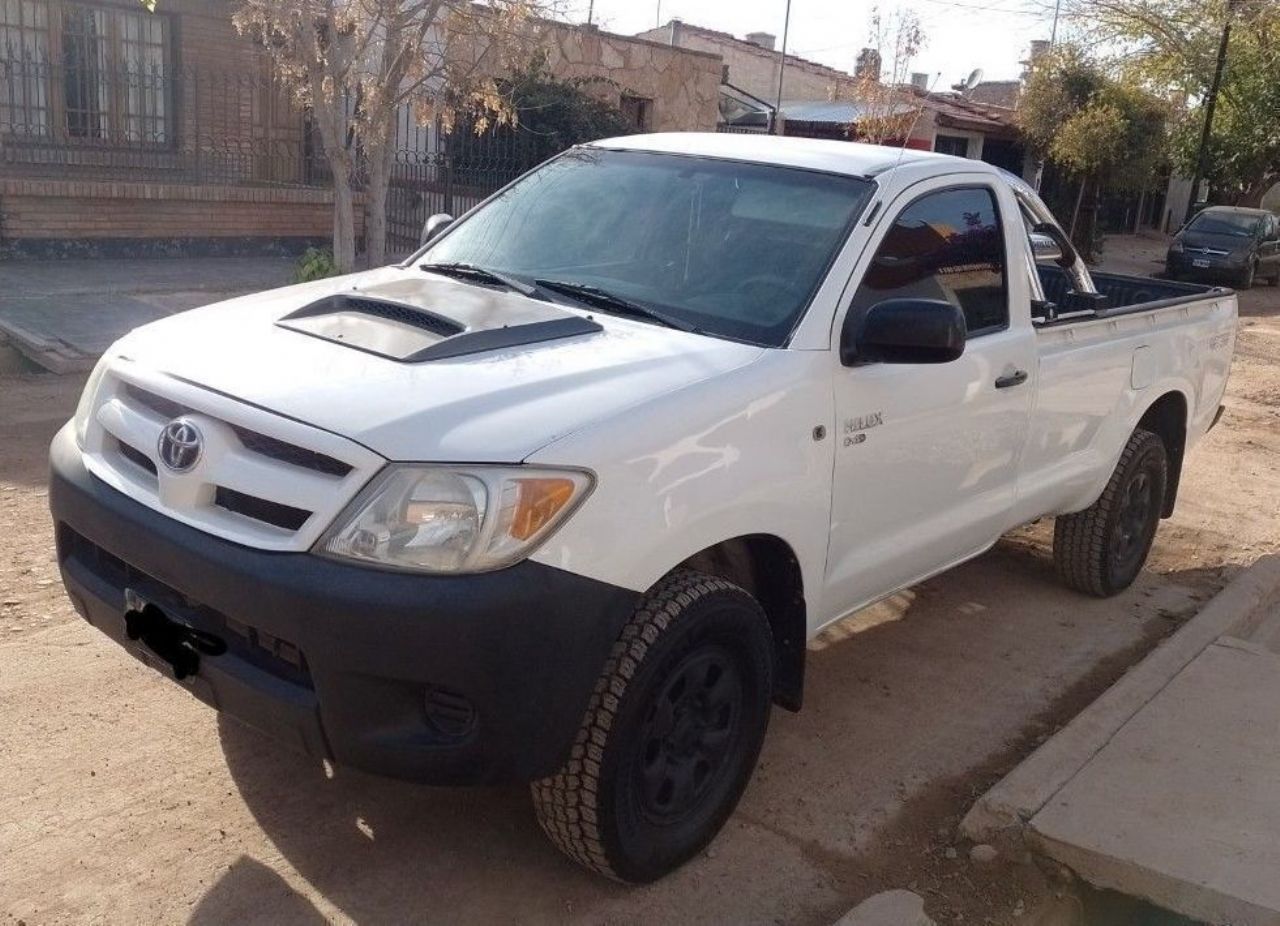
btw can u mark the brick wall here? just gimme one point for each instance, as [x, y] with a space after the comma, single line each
[61, 217]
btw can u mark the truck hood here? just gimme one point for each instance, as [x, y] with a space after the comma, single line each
[500, 400]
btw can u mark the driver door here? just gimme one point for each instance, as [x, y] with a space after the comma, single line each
[927, 455]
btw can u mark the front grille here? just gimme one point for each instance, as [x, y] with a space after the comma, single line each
[166, 408]
[261, 509]
[252, 440]
[137, 457]
[290, 453]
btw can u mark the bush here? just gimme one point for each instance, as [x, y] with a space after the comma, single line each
[314, 264]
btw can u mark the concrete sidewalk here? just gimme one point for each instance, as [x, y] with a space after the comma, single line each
[62, 315]
[1167, 788]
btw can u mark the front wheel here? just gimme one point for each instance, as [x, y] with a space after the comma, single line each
[1247, 276]
[1101, 550]
[671, 734]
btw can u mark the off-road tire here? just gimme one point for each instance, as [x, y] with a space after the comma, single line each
[1088, 545]
[594, 808]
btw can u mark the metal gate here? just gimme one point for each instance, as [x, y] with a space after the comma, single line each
[438, 171]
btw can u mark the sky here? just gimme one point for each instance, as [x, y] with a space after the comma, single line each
[960, 34]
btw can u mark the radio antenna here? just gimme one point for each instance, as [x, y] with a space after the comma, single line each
[974, 78]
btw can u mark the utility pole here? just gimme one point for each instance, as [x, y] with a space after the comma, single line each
[1053, 40]
[782, 66]
[1210, 104]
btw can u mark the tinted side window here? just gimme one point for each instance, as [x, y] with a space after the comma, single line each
[946, 245]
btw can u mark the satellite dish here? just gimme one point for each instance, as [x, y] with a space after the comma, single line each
[975, 78]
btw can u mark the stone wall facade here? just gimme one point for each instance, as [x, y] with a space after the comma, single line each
[681, 85]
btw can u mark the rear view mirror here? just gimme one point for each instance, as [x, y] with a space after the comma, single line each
[435, 226]
[904, 331]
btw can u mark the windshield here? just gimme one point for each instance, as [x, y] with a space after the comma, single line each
[725, 248]
[1226, 223]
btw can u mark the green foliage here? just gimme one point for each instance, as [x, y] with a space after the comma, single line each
[1244, 149]
[314, 264]
[1093, 124]
[553, 113]
[1172, 46]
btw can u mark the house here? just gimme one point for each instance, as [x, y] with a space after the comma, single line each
[751, 64]
[952, 123]
[659, 87]
[124, 132]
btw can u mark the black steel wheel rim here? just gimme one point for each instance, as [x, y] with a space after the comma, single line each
[688, 733]
[1133, 521]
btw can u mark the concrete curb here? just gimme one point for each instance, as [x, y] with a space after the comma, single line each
[1001, 815]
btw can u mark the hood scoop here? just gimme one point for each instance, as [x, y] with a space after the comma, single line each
[409, 334]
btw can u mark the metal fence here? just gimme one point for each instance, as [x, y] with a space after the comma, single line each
[101, 122]
[439, 171]
[83, 120]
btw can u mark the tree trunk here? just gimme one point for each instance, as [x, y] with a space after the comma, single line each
[1075, 213]
[380, 162]
[332, 121]
[344, 217]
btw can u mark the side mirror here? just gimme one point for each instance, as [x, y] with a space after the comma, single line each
[435, 225]
[904, 331]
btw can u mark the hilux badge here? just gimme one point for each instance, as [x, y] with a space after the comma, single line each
[180, 445]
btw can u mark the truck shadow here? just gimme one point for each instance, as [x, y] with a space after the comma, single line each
[928, 688]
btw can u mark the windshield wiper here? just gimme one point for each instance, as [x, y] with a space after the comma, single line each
[478, 274]
[609, 302]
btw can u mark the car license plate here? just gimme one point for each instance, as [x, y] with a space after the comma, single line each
[1200, 263]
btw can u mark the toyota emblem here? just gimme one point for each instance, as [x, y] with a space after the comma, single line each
[180, 446]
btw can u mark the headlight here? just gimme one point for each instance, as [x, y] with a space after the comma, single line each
[454, 519]
[85, 406]
[1176, 247]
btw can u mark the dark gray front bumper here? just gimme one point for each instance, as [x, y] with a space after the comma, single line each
[448, 680]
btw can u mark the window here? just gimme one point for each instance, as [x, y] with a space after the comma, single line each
[949, 246]
[1226, 222]
[736, 250]
[86, 73]
[636, 110]
[957, 145]
[24, 68]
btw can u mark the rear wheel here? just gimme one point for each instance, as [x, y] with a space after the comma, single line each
[1101, 550]
[671, 734]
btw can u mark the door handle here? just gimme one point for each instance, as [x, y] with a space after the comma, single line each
[1016, 378]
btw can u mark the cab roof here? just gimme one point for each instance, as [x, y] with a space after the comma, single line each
[838, 157]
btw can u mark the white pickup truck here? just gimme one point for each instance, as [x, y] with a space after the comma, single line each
[561, 498]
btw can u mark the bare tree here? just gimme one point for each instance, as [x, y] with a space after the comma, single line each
[887, 106]
[355, 64]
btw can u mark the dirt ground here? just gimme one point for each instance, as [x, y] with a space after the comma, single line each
[123, 800]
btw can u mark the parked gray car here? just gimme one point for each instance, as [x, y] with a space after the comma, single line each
[1227, 241]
